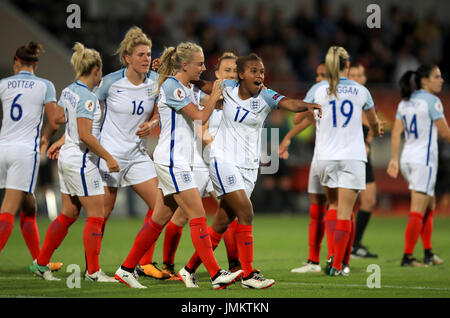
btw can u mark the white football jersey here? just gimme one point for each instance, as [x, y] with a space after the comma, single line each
[238, 139]
[339, 133]
[23, 98]
[126, 107]
[418, 115]
[175, 146]
[78, 102]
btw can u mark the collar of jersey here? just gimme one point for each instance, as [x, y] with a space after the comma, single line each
[173, 77]
[25, 72]
[81, 84]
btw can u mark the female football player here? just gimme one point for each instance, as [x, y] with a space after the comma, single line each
[420, 115]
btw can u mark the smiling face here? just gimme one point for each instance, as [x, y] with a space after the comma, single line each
[253, 77]
[140, 59]
[195, 67]
[433, 83]
[227, 69]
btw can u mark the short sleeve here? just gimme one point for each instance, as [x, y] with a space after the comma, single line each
[103, 88]
[86, 107]
[368, 103]
[175, 94]
[398, 114]
[435, 109]
[271, 97]
[50, 94]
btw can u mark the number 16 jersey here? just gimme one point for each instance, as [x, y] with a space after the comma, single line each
[126, 107]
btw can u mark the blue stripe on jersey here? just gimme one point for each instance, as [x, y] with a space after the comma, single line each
[81, 84]
[172, 145]
[35, 152]
[218, 176]
[429, 142]
[123, 72]
[104, 116]
[83, 179]
[429, 178]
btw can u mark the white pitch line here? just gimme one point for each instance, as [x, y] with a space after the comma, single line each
[365, 286]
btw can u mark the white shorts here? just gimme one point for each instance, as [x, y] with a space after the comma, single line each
[133, 171]
[226, 178]
[174, 180]
[19, 168]
[203, 182]
[421, 178]
[314, 186]
[349, 174]
[79, 182]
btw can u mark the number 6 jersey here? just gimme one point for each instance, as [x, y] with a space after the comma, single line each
[23, 97]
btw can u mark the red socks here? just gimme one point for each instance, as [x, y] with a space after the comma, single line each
[203, 246]
[195, 260]
[341, 238]
[330, 226]
[92, 238]
[412, 232]
[351, 239]
[30, 233]
[229, 238]
[148, 256]
[427, 229]
[316, 231]
[244, 240]
[6, 226]
[172, 238]
[146, 237]
[56, 233]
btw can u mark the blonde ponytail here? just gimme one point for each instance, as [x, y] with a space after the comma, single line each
[84, 60]
[335, 61]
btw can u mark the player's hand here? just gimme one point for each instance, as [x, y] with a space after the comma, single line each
[43, 145]
[112, 164]
[217, 89]
[380, 131]
[53, 151]
[156, 63]
[283, 149]
[315, 109]
[392, 169]
[146, 128]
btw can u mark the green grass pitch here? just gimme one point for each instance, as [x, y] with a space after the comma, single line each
[281, 243]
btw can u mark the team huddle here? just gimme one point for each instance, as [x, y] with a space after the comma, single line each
[209, 145]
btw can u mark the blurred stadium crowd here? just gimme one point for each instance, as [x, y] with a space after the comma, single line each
[291, 45]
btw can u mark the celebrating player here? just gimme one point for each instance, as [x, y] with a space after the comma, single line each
[420, 115]
[226, 69]
[235, 159]
[79, 176]
[341, 163]
[24, 97]
[129, 96]
[178, 109]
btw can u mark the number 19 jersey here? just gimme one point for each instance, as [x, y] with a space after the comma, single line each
[340, 133]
